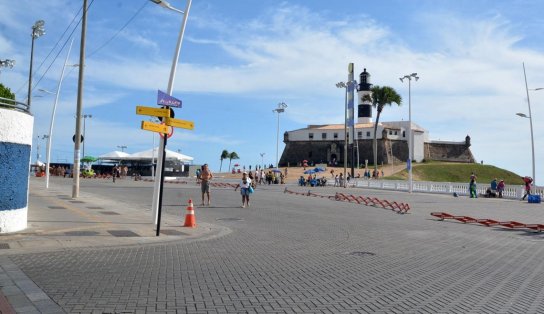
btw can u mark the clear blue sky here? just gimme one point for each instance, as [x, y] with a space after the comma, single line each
[241, 58]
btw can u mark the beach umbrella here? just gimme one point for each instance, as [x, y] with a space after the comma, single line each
[236, 165]
[88, 159]
[319, 169]
[276, 170]
[310, 171]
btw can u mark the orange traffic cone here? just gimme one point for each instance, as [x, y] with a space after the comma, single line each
[190, 220]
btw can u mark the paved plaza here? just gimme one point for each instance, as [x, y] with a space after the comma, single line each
[285, 254]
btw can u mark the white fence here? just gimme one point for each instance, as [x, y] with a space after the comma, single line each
[510, 191]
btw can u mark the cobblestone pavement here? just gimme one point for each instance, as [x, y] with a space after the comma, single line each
[296, 254]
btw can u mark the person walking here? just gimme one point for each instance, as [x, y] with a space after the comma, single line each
[245, 189]
[500, 188]
[528, 181]
[472, 188]
[205, 177]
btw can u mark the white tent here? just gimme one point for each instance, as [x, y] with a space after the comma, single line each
[154, 153]
[115, 155]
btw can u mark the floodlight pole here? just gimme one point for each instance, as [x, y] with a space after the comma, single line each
[530, 123]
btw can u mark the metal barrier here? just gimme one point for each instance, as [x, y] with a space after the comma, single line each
[489, 222]
[401, 208]
[13, 104]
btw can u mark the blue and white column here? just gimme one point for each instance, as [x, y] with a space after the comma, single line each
[15, 148]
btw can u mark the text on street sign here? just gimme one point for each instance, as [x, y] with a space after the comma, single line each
[155, 127]
[151, 111]
[178, 123]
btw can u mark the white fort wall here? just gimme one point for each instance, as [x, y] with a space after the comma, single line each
[15, 148]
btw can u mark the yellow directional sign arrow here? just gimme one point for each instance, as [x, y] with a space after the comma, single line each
[152, 111]
[155, 127]
[178, 123]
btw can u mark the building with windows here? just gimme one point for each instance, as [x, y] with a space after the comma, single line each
[325, 143]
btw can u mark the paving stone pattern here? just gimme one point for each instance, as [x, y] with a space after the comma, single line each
[292, 254]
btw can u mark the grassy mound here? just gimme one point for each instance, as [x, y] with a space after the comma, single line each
[458, 172]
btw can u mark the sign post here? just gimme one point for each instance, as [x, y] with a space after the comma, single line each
[166, 129]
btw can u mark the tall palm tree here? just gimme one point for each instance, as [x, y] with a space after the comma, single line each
[380, 97]
[224, 155]
[232, 155]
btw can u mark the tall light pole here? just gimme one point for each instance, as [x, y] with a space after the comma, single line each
[40, 137]
[409, 77]
[85, 116]
[344, 85]
[79, 108]
[280, 109]
[530, 120]
[122, 147]
[158, 187]
[262, 159]
[37, 31]
[57, 94]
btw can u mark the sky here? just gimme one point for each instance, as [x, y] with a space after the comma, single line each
[241, 58]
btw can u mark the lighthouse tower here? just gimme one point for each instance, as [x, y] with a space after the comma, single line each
[364, 110]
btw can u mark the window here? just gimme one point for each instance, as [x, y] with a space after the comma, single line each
[335, 135]
[396, 132]
[324, 136]
[390, 132]
[359, 134]
[311, 136]
[403, 133]
[367, 134]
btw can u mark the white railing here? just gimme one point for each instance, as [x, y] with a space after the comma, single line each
[510, 191]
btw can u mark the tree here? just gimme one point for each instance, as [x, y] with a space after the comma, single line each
[232, 155]
[5, 92]
[380, 97]
[224, 155]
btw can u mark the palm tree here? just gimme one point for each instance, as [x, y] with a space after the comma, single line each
[232, 155]
[380, 97]
[224, 155]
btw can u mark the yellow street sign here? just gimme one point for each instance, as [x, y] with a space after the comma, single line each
[178, 123]
[155, 127]
[152, 111]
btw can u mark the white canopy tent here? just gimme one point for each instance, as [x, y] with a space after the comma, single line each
[154, 153]
[115, 155]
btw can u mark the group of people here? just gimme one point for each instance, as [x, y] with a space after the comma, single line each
[246, 185]
[312, 181]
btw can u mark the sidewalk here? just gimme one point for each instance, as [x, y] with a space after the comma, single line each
[58, 222]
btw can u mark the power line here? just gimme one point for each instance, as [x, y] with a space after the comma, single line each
[121, 29]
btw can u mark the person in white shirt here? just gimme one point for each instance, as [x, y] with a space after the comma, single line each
[245, 190]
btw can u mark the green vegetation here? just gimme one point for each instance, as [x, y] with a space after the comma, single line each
[5, 92]
[458, 172]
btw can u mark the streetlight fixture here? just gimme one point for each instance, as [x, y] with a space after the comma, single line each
[409, 77]
[530, 117]
[37, 31]
[280, 109]
[7, 63]
[122, 147]
[346, 85]
[158, 187]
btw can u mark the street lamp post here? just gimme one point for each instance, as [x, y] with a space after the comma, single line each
[410, 134]
[85, 116]
[344, 85]
[57, 94]
[158, 187]
[40, 137]
[37, 31]
[262, 158]
[122, 147]
[7, 63]
[530, 120]
[280, 109]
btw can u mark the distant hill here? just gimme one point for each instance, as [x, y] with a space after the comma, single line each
[458, 172]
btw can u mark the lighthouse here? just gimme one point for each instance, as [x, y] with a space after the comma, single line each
[364, 110]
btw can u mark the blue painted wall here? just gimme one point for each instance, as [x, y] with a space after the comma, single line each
[14, 171]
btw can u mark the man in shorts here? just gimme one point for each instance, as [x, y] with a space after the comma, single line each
[205, 177]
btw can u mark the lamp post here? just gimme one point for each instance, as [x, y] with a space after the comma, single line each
[122, 147]
[40, 137]
[262, 158]
[409, 77]
[85, 116]
[280, 109]
[158, 187]
[344, 85]
[530, 117]
[57, 94]
[37, 31]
